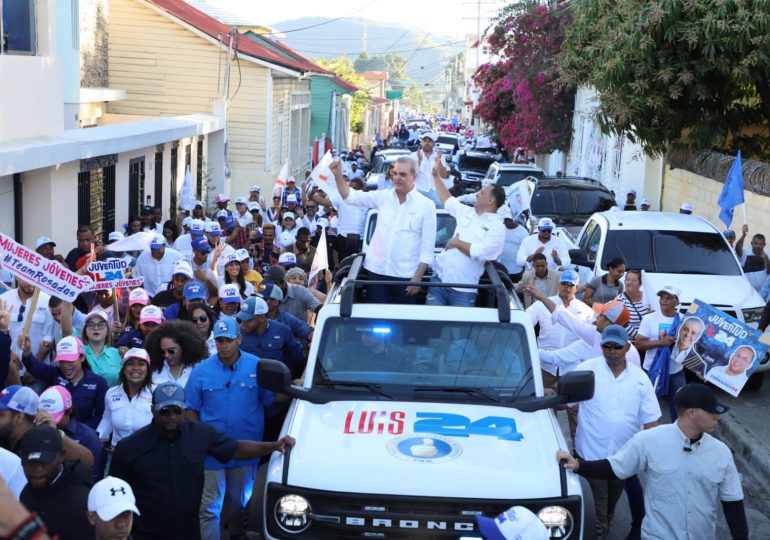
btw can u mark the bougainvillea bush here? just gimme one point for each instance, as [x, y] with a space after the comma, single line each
[520, 95]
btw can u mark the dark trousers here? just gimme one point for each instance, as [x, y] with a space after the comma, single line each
[635, 494]
[765, 320]
[515, 278]
[606, 495]
[382, 294]
[348, 245]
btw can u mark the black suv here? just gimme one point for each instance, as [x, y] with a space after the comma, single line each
[570, 200]
[473, 166]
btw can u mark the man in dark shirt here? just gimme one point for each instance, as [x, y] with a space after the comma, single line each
[57, 490]
[163, 463]
[85, 236]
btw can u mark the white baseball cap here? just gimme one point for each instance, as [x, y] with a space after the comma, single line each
[183, 267]
[43, 240]
[229, 293]
[288, 215]
[241, 255]
[253, 206]
[545, 223]
[231, 257]
[241, 200]
[110, 497]
[516, 523]
[115, 236]
[254, 188]
[287, 258]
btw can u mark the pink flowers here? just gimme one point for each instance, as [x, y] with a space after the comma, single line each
[520, 95]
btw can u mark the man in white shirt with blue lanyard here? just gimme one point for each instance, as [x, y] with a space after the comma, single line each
[405, 236]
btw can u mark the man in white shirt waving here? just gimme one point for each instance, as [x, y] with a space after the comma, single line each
[427, 159]
[480, 237]
[404, 238]
[555, 249]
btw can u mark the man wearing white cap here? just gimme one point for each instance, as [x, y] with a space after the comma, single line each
[45, 247]
[183, 244]
[426, 159]
[156, 265]
[111, 509]
[644, 205]
[630, 203]
[686, 208]
[242, 214]
[291, 189]
[183, 274]
[514, 236]
[199, 211]
[255, 195]
[220, 249]
[554, 248]
[285, 229]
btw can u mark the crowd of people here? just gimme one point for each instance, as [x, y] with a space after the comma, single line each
[139, 411]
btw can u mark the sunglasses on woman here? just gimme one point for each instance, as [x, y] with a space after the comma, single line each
[201, 319]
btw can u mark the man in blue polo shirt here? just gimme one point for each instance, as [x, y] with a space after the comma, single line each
[222, 391]
[267, 338]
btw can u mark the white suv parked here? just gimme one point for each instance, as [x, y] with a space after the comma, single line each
[684, 251]
[413, 420]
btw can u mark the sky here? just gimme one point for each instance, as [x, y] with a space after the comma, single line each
[441, 17]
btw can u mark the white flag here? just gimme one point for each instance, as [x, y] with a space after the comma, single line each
[322, 176]
[187, 196]
[321, 259]
[280, 180]
[136, 242]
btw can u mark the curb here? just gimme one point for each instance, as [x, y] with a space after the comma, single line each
[747, 448]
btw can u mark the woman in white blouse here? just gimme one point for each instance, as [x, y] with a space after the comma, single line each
[174, 349]
[128, 406]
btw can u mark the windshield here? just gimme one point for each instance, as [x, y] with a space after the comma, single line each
[475, 164]
[443, 139]
[589, 201]
[672, 252]
[561, 201]
[508, 178]
[435, 355]
[445, 229]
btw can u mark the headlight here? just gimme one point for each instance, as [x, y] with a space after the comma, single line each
[557, 520]
[752, 314]
[293, 513]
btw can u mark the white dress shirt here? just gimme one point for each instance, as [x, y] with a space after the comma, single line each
[588, 346]
[42, 327]
[351, 219]
[620, 407]
[424, 169]
[123, 416]
[156, 273]
[486, 235]
[183, 244]
[513, 239]
[12, 472]
[682, 488]
[405, 235]
[532, 243]
[165, 375]
[243, 219]
[555, 336]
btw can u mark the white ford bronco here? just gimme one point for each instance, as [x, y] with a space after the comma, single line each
[414, 420]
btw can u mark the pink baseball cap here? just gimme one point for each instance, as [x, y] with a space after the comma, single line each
[69, 349]
[151, 314]
[136, 352]
[56, 400]
[138, 296]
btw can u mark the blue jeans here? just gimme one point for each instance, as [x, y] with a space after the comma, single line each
[675, 382]
[447, 296]
[237, 484]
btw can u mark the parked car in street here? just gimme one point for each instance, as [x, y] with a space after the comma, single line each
[569, 201]
[473, 166]
[686, 252]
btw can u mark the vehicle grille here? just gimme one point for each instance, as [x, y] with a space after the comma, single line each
[349, 516]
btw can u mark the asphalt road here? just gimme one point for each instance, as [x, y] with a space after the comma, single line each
[752, 409]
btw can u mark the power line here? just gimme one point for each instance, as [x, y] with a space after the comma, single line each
[321, 23]
[413, 51]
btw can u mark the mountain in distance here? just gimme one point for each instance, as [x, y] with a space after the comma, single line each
[426, 53]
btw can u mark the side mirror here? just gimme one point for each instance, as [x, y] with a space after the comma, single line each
[273, 375]
[753, 264]
[579, 257]
[576, 386]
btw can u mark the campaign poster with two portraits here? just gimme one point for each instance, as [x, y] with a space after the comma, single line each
[717, 347]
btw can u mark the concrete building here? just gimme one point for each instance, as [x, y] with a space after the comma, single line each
[617, 162]
[65, 158]
[377, 114]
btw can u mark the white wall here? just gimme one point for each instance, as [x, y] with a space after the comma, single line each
[617, 162]
[7, 225]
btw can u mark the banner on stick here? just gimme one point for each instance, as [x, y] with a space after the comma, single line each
[111, 274]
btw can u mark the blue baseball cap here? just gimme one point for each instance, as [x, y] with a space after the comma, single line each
[200, 243]
[271, 291]
[614, 333]
[569, 276]
[226, 328]
[251, 307]
[157, 242]
[20, 399]
[195, 290]
[168, 394]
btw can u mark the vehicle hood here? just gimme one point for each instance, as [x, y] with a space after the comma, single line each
[719, 291]
[424, 449]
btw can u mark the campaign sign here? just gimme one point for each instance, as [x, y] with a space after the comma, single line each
[112, 274]
[720, 349]
[50, 276]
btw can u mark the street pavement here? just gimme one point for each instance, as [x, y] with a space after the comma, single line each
[746, 431]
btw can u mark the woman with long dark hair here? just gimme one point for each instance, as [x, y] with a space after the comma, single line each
[203, 318]
[175, 347]
[234, 274]
[605, 288]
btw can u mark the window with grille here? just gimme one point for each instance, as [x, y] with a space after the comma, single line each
[200, 184]
[135, 186]
[174, 167]
[96, 200]
[158, 201]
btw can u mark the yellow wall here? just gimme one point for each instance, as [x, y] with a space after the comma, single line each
[683, 186]
[168, 70]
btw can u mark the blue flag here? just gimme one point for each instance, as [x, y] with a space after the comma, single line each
[732, 192]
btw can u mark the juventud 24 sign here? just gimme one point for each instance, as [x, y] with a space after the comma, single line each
[111, 274]
[50, 276]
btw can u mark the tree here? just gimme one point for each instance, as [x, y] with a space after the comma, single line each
[520, 94]
[693, 72]
[343, 68]
[393, 63]
[419, 100]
